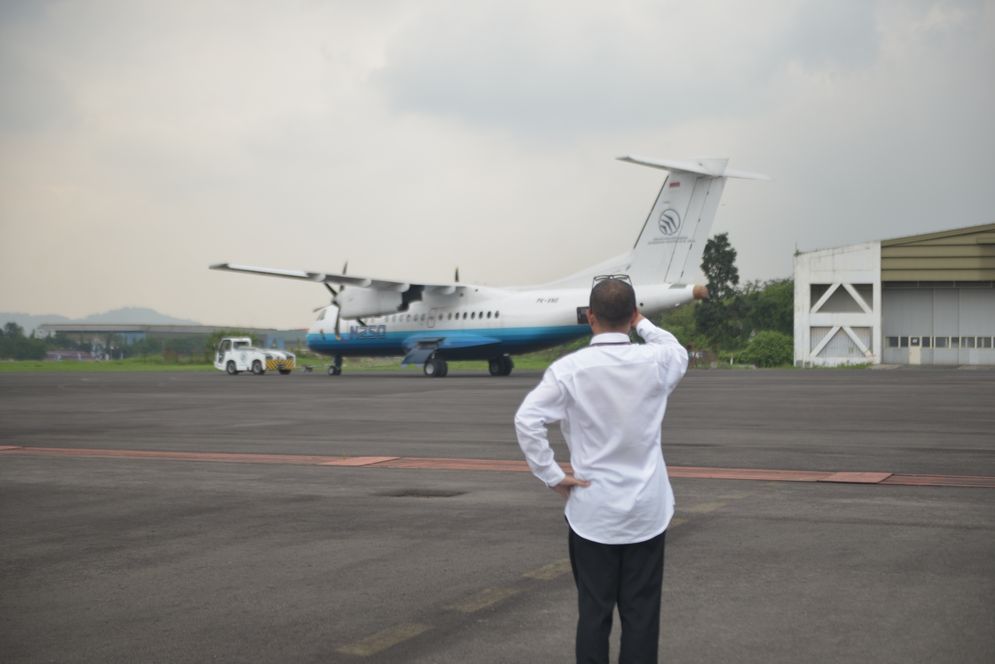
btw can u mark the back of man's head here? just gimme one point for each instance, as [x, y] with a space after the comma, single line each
[613, 302]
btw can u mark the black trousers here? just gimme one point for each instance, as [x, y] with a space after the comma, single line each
[629, 575]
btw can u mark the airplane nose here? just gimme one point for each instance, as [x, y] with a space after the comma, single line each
[700, 292]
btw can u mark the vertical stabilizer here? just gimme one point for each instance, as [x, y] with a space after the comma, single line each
[673, 237]
[672, 240]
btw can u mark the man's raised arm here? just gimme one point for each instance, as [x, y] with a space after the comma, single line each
[673, 356]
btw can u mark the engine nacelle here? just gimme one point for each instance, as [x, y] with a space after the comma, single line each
[357, 302]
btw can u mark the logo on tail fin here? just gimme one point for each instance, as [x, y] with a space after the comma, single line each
[670, 222]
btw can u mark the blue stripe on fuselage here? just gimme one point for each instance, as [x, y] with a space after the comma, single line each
[512, 340]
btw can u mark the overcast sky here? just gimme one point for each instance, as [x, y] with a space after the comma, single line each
[142, 141]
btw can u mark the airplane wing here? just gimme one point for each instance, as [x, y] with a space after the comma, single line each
[342, 279]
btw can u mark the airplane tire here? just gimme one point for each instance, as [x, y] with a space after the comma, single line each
[334, 370]
[257, 368]
[231, 369]
[500, 366]
[436, 367]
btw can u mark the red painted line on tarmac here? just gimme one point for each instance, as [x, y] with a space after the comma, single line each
[979, 481]
[761, 474]
[458, 464]
[857, 478]
[358, 461]
[294, 459]
[504, 465]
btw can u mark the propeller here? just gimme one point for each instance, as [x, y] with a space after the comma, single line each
[335, 296]
[335, 301]
[338, 310]
[456, 279]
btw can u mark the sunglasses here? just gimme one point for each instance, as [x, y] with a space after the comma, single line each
[605, 277]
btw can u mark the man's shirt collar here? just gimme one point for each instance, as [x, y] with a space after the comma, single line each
[610, 338]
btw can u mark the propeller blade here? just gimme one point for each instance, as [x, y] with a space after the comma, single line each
[331, 290]
[345, 268]
[457, 274]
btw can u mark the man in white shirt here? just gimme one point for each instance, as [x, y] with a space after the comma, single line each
[610, 399]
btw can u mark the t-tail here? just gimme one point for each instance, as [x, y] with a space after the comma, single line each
[673, 237]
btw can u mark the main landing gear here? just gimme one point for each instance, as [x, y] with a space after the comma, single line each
[436, 367]
[500, 366]
[335, 369]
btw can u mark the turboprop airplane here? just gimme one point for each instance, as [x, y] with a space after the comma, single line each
[432, 323]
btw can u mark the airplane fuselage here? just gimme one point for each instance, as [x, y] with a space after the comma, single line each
[478, 322]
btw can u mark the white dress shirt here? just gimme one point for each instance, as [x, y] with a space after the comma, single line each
[609, 398]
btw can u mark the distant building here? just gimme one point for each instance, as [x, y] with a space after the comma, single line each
[922, 300]
[100, 334]
[68, 355]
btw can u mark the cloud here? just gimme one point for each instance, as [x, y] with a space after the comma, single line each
[540, 69]
[145, 141]
[563, 71]
[830, 36]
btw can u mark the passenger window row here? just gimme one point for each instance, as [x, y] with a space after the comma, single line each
[451, 315]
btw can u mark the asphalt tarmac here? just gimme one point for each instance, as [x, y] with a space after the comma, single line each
[199, 517]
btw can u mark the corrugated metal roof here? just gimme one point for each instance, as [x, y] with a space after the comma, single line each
[959, 254]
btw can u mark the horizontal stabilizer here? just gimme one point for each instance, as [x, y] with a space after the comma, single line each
[712, 167]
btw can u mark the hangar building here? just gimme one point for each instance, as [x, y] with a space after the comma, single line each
[924, 299]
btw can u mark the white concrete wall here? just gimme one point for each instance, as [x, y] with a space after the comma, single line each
[841, 276]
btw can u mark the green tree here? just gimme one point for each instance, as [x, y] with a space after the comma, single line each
[12, 330]
[14, 345]
[718, 262]
[769, 349]
[769, 305]
[144, 347]
[682, 324]
[718, 318]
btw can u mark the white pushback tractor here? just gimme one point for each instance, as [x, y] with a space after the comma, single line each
[236, 354]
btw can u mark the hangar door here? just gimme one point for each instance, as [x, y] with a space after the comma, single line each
[924, 323]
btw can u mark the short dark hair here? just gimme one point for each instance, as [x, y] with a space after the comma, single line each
[613, 301]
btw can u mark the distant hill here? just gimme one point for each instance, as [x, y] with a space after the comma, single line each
[134, 315]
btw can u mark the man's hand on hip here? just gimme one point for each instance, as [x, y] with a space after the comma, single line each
[566, 486]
